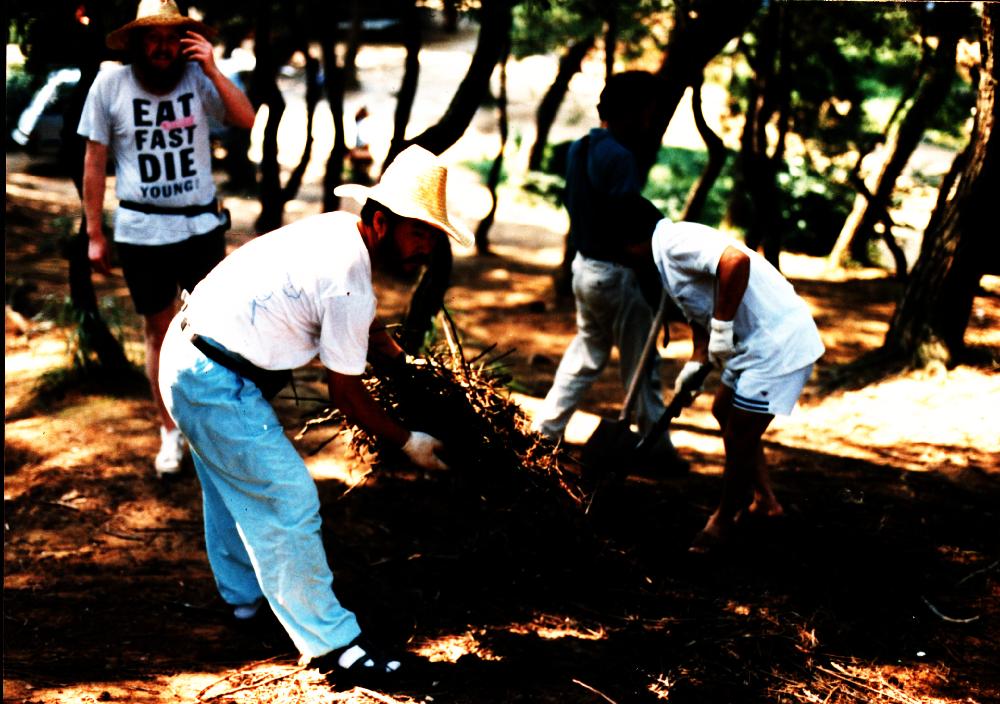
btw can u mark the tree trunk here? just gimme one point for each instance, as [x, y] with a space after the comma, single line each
[610, 40]
[569, 65]
[266, 92]
[494, 28]
[698, 195]
[353, 44]
[753, 206]
[493, 181]
[334, 82]
[901, 141]
[494, 35]
[313, 95]
[408, 88]
[702, 28]
[930, 322]
[450, 16]
[108, 350]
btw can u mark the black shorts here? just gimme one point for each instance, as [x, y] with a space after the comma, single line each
[155, 273]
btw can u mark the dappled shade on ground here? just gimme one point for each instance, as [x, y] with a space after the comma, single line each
[881, 585]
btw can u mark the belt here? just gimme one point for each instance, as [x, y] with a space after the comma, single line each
[186, 210]
[269, 381]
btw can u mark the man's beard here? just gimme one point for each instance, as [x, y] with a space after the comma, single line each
[161, 80]
[387, 257]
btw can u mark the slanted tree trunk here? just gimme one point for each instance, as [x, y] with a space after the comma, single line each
[930, 321]
[872, 206]
[493, 180]
[408, 88]
[494, 32]
[334, 83]
[548, 108]
[702, 28]
[494, 28]
[450, 16]
[313, 95]
[108, 350]
[753, 206]
[698, 195]
[266, 92]
[353, 45]
[610, 38]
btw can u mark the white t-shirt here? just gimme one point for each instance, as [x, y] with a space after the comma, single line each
[160, 148]
[773, 327]
[292, 294]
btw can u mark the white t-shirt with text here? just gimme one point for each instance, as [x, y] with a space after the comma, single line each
[160, 148]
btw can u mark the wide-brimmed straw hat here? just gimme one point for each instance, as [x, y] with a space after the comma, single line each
[414, 186]
[156, 13]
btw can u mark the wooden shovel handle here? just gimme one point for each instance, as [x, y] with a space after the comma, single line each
[647, 350]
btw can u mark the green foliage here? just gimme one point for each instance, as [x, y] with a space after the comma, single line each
[79, 346]
[549, 188]
[813, 206]
[542, 26]
[948, 126]
[483, 166]
[673, 175]
[20, 87]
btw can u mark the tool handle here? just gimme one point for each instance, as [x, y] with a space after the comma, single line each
[681, 400]
[647, 350]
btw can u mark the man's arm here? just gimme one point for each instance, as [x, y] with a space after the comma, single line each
[239, 110]
[733, 273]
[95, 163]
[381, 344]
[349, 394]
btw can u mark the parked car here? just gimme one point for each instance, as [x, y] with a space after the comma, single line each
[39, 128]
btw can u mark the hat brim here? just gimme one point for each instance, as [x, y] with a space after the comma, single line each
[355, 191]
[118, 39]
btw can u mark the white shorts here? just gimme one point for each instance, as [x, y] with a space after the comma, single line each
[771, 394]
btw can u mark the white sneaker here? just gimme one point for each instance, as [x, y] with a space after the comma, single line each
[168, 459]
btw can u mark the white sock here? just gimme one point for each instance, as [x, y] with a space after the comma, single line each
[356, 652]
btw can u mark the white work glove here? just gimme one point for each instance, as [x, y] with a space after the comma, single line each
[422, 449]
[721, 346]
[687, 371]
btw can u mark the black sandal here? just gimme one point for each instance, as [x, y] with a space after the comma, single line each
[370, 667]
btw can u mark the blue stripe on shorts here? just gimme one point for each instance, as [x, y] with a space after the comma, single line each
[749, 404]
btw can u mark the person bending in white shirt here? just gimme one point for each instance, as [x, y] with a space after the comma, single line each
[745, 317]
[276, 303]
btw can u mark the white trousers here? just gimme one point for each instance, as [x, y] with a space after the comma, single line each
[610, 312]
[262, 520]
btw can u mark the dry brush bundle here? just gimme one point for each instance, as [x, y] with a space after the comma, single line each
[466, 404]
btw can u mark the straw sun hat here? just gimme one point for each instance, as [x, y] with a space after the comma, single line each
[414, 186]
[157, 13]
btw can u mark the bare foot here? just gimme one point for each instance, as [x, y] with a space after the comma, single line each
[716, 535]
[764, 508]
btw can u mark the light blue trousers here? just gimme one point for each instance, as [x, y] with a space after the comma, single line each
[262, 520]
[610, 312]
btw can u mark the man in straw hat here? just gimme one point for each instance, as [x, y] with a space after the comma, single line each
[152, 117]
[276, 303]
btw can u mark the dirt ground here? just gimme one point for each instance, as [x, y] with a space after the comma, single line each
[882, 584]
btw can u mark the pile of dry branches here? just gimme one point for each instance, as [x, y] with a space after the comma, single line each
[466, 404]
